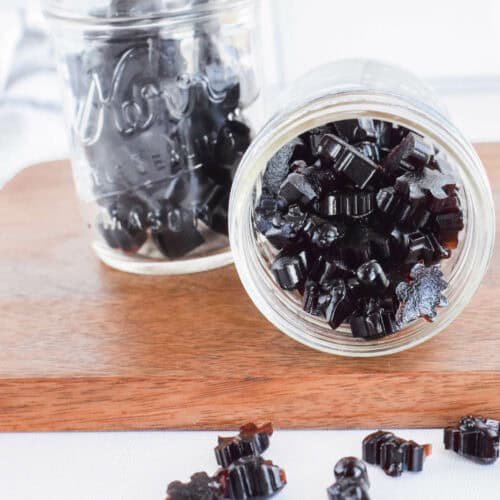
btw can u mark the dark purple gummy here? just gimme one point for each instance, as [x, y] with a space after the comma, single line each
[355, 204]
[298, 188]
[356, 130]
[475, 438]
[171, 61]
[312, 298]
[348, 161]
[422, 295]
[278, 167]
[352, 468]
[174, 231]
[289, 271]
[252, 440]
[251, 478]
[123, 225]
[393, 454]
[372, 276]
[357, 234]
[200, 487]
[325, 270]
[347, 489]
[370, 150]
[371, 325]
[286, 227]
[416, 185]
[352, 481]
[413, 153]
[340, 305]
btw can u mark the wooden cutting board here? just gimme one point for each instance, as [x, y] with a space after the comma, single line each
[86, 347]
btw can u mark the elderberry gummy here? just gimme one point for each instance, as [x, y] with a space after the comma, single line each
[123, 225]
[351, 480]
[200, 487]
[243, 475]
[422, 295]
[376, 208]
[251, 441]
[476, 438]
[252, 477]
[393, 454]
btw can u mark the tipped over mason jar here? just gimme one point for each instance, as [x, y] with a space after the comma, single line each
[161, 101]
[361, 219]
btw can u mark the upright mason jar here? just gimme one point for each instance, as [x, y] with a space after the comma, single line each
[161, 99]
[391, 99]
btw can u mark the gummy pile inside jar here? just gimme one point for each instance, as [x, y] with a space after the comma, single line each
[361, 212]
[159, 123]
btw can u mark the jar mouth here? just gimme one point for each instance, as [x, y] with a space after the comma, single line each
[98, 13]
[464, 271]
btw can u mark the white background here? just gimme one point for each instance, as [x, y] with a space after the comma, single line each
[432, 38]
[138, 466]
[456, 46]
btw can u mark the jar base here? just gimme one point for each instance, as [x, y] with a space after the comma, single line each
[138, 265]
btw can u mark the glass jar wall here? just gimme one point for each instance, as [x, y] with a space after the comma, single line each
[161, 100]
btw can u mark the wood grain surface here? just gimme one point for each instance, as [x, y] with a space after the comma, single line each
[86, 347]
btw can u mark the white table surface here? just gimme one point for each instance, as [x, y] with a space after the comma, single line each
[138, 466]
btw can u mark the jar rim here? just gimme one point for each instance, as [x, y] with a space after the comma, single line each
[97, 12]
[259, 283]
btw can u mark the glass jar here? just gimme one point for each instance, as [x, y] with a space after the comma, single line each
[161, 98]
[353, 89]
